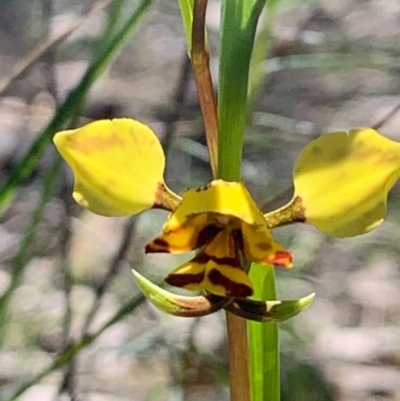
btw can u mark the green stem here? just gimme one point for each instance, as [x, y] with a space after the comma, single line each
[264, 341]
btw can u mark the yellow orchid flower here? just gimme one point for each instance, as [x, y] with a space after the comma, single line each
[223, 222]
[341, 183]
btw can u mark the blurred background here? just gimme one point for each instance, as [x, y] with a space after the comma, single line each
[65, 274]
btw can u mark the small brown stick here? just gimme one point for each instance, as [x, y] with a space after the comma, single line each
[201, 69]
[39, 51]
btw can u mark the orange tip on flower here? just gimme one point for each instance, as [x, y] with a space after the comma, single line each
[281, 259]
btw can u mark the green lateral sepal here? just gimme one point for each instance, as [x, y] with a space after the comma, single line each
[178, 305]
[269, 311]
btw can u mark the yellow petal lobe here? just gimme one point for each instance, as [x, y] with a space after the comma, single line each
[259, 247]
[230, 199]
[342, 180]
[117, 164]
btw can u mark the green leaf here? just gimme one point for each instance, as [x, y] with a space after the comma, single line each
[261, 49]
[238, 26]
[178, 305]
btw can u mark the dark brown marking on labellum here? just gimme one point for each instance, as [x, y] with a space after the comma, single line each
[207, 234]
[238, 238]
[232, 288]
[157, 245]
[182, 280]
[204, 258]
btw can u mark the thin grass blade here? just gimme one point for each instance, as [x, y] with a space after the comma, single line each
[187, 17]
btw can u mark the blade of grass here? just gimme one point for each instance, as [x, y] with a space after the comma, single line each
[67, 280]
[39, 51]
[186, 7]
[67, 355]
[261, 48]
[21, 258]
[68, 108]
[115, 11]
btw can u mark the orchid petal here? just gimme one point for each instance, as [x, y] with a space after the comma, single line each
[118, 165]
[342, 181]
